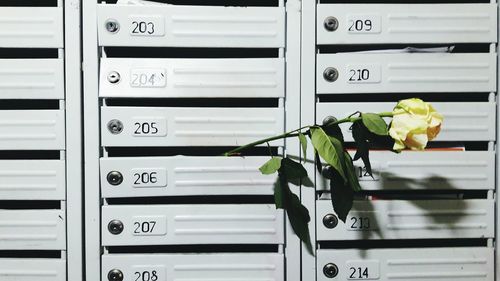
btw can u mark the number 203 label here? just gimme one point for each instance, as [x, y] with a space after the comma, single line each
[363, 73]
[147, 26]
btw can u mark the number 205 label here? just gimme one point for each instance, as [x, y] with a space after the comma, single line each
[363, 73]
[149, 127]
[363, 270]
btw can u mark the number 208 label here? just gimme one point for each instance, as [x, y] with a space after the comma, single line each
[148, 273]
[363, 73]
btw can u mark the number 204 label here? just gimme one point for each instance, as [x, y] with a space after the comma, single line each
[363, 270]
[148, 78]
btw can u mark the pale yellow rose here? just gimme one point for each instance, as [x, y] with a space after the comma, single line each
[414, 123]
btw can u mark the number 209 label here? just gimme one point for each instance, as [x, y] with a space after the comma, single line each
[363, 24]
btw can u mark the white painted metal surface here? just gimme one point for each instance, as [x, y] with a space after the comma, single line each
[32, 230]
[32, 129]
[171, 267]
[409, 72]
[32, 180]
[433, 170]
[32, 269]
[31, 27]
[188, 224]
[223, 78]
[409, 23]
[182, 175]
[463, 121]
[192, 26]
[415, 219]
[426, 264]
[31, 78]
[187, 126]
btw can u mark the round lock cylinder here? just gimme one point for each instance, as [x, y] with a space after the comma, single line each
[331, 24]
[330, 270]
[112, 26]
[115, 126]
[327, 172]
[114, 178]
[330, 221]
[331, 74]
[115, 275]
[114, 77]
[115, 227]
[329, 119]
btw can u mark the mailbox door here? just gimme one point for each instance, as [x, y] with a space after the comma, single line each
[31, 78]
[186, 126]
[412, 219]
[183, 224]
[407, 72]
[426, 264]
[32, 180]
[408, 23]
[40, 269]
[32, 230]
[187, 78]
[183, 175]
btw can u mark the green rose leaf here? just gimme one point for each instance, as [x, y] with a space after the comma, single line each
[303, 144]
[326, 149]
[361, 136]
[279, 196]
[292, 170]
[375, 123]
[317, 162]
[271, 166]
[342, 196]
[352, 178]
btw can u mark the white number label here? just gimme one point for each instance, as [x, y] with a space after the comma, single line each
[361, 221]
[148, 78]
[149, 127]
[149, 225]
[361, 74]
[149, 273]
[363, 24]
[363, 270]
[147, 26]
[363, 174]
[149, 177]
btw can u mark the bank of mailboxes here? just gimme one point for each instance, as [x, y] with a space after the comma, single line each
[157, 25]
[26, 77]
[412, 214]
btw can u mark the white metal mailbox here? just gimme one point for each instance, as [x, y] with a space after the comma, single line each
[32, 129]
[413, 219]
[31, 78]
[171, 267]
[433, 170]
[32, 180]
[191, 26]
[31, 27]
[463, 121]
[32, 229]
[188, 224]
[407, 72]
[182, 175]
[39, 269]
[224, 78]
[426, 264]
[188, 126]
[408, 23]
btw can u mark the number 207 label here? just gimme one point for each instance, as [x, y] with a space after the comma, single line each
[149, 226]
[363, 73]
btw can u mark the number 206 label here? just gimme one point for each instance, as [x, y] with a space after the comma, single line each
[149, 177]
[363, 73]
[363, 270]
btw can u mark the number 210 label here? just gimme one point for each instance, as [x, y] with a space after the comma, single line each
[363, 73]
